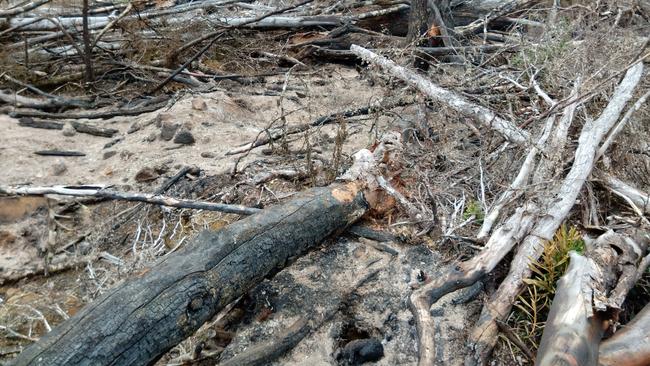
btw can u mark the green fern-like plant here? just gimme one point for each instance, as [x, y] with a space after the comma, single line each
[474, 208]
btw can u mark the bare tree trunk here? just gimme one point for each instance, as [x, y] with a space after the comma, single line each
[87, 44]
[418, 20]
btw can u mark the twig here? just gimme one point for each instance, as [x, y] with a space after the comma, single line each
[94, 191]
[619, 126]
[512, 337]
[264, 139]
[111, 24]
[215, 36]
[21, 9]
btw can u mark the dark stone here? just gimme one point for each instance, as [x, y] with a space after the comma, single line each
[360, 351]
[108, 154]
[168, 129]
[184, 137]
[145, 175]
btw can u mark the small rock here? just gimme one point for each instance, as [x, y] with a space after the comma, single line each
[136, 126]
[126, 154]
[108, 154]
[163, 117]
[6, 238]
[161, 168]
[146, 174]
[59, 168]
[360, 351]
[199, 104]
[195, 171]
[208, 155]
[68, 130]
[168, 129]
[184, 137]
[151, 138]
[113, 142]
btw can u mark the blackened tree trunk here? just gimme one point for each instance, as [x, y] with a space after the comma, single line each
[138, 321]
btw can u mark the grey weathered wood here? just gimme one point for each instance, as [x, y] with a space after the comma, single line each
[586, 300]
[139, 320]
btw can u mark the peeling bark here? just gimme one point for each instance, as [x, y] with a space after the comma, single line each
[586, 299]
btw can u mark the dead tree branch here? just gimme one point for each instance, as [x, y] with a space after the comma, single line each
[99, 192]
[588, 294]
[487, 117]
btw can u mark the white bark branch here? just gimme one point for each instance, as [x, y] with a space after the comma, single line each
[485, 116]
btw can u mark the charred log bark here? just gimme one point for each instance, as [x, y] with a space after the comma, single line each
[138, 321]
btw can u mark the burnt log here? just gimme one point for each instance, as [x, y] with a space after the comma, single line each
[139, 320]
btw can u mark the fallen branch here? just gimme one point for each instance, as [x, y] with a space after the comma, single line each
[273, 135]
[88, 115]
[583, 294]
[487, 117]
[186, 288]
[24, 8]
[503, 9]
[629, 346]
[640, 201]
[99, 192]
[78, 126]
[559, 205]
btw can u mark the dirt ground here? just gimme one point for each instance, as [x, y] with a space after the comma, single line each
[95, 249]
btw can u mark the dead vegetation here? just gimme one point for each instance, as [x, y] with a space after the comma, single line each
[502, 148]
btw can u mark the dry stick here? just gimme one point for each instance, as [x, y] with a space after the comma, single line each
[215, 36]
[552, 149]
[265, 139]
[58, 101]
[125, 196]
[131, 212]
[88, 115]
[483, 337]
[78, 126]
[87, 54]
[111, 24]
[50, 269]
[619, 127]
[512, 337]
[516, 187]
[503, 9]
[21, 9]
[484, 115]
[581, 309]
[640, 201]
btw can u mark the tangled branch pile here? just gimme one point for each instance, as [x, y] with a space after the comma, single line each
[524, 158]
